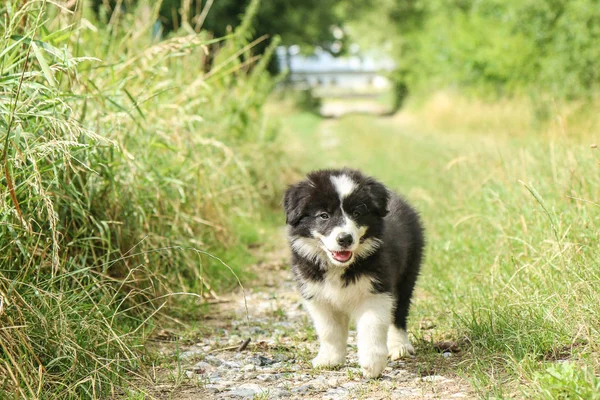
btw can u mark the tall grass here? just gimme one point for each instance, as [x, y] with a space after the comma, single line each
[124, 158]
[521, 242]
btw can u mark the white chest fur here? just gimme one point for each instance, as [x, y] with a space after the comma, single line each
[333, 290]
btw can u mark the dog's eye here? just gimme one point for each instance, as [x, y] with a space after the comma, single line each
[324, 215]
[360, 210]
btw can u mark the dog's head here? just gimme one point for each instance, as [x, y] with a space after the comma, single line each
[335, 217]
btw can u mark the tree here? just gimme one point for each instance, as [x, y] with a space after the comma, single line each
[307, 23]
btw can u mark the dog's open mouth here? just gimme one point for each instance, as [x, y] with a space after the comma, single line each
[341, 256]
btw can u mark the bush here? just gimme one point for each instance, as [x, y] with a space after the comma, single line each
[125, 159]
[497, 47]
[304, 99]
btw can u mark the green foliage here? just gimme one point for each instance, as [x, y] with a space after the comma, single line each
[304, 23]
[307, 23]
[123, 162]
[305, 100]
[567, 381]
[493, 47]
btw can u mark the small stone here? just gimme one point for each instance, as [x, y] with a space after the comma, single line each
[212, 360]
[350, 385]
[189, 374]
[281, 357]
[249, 375]
[214, 388]
[335, 394]
[458, 396]
[202, 367]
[246, 391]
[255, 331]
[261, 361]
[318, 382]
[403, 393]
[333, 382]
[194, 352]
[265, 377]
[249, 367]
[301, 389]
[433, 378]
[279, 393]
[447, 354]
[231, 364]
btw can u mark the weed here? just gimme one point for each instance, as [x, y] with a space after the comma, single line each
[567, 381]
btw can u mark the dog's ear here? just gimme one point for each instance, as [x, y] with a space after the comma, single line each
[294, 201]
[379, 196]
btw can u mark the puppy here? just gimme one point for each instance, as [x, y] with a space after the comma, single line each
[356, 252]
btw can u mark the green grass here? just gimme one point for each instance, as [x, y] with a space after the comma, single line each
[513, 224]
[127, 163]
[568, 381]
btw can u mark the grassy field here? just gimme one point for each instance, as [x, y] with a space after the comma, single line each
[512, 216]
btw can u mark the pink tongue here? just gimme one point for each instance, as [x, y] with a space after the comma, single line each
[342, 256]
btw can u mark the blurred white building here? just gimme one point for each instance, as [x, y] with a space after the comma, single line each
[357, 72]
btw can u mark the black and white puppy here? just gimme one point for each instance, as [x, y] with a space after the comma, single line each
[356, 253]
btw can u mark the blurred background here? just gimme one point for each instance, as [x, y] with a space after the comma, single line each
[539, 49]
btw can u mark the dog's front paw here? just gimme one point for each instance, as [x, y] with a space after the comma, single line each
[400, 350]
[328, 358]
[398, 343]
[373, 364]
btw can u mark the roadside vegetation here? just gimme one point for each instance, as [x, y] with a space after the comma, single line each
[126, 159]
[511, 274]
[543, 50]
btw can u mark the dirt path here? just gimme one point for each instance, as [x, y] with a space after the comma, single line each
[276, 362]
[334, 108]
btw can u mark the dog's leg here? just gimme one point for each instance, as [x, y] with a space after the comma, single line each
[373, 318]
[398, 344]
[332, 329]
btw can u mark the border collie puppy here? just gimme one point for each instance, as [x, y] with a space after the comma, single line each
[356, 253]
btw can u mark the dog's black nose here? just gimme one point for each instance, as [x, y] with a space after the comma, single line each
[344, 239]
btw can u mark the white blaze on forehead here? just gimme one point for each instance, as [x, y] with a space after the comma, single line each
[343, 184]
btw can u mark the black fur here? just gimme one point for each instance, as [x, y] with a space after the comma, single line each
[394, 265]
